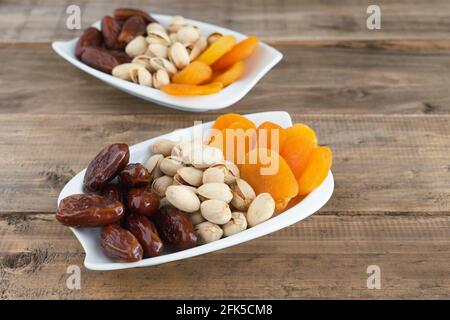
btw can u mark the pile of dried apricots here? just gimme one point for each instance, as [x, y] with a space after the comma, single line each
[302, 164]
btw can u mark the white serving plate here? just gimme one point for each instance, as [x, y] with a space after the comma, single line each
[90, 237]
[256, 66]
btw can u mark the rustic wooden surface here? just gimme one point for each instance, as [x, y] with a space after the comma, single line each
[380, 99]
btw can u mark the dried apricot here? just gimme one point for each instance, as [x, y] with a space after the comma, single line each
[241, 51]
[271, 136]
[217, 49]
[316, 170]
[235, 140]
[296, 152]
[266, 171]
[225, 120]
[176, 89]
[195, 73]
[230, 75]
[300, 129]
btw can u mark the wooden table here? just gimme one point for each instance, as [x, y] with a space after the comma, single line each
[380, 99]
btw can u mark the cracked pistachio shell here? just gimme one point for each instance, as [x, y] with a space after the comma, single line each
[213, 37]
[143, 60]
[230, 170]
[163, 64]
[207, 232]
[177, 23]
[214, 174]
[183, 198]
[188, 34]
[198, 47]
[217, 191]
[158, 36]
[204, 156]
[192, 176]
[261, 209]
[152, 165]
[237, 224]
[122, 71]
[179, 55]
[243, 195]
[163, 146]
[141, 75]
[156, 50]
[160, 78]
[215, 211]
[161, 184]
[154, 26]
[136, 47]
[170, 165]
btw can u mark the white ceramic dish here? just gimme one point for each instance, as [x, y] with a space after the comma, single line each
[262, 60]
[90, 237]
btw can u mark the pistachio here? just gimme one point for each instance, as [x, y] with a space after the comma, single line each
[217, 191]
[158, 36]
[156, 50]
[163, 146]
[122, 71]
[183, 198]
[160, 78]
[188, 34]
[152, 165]
[237, 224]
[196, 218]
[173, 37]
[179, 55]
[143, 60]
[170, 166]
[213, 37]
[206, 156]
[161, 184]
[215, 211]
[214, 174]
[183, 150]
[155, 26]
[177, 23]
[198, 47]
[208, 232]
[163, 64]
[261, 209]
[243, 195]
[230, 170]
[136, 47]
[141, 75]
[191, 176]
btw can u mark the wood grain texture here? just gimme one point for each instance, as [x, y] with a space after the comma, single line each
[382, 164]
[272, 20]
[342, 77]
[321, 257]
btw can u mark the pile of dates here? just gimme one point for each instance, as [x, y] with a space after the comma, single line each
[185, 194]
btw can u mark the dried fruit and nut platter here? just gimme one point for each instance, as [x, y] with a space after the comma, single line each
[173, 61]
[196, 190]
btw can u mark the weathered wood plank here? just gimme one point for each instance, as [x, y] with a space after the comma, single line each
[322, 257]
[381, 164]
[45, 20]
[336, 77]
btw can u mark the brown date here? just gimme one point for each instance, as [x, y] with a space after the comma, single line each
[125, 13]
[121, 56]
[82, 210]
[142, 201]
[145, 231]
[110, 29]
[99, 58]
[134, 175]
[91, 37]
[120, 245]
[175, 228]
[132, 27]
[105, 166]
[112, 192]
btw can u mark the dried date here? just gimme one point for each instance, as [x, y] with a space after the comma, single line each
[82, 210]
[99, 58]
[145, 231]
[105, 166]
[111, 29]
[134, 175]
[132, 27]
[125, 13]
[142, 201]
[91, 37]
[120, 245]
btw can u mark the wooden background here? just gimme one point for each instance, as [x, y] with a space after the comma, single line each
[380, 99]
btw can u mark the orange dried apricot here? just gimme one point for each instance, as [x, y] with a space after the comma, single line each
[230, 75]
[296, 152]
[217, 49]
[235, 140]
[195, 73]
[227, 119]
[316, 170]
[301, 130]
[271, 136]
[266, 171]
[241, 51]
[176, 89]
